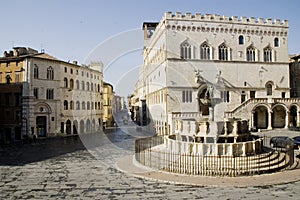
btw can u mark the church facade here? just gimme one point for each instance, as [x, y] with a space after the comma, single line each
[246, 59]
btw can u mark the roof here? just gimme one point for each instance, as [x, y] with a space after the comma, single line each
[150, 25]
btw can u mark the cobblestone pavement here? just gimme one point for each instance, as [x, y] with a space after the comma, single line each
[65, 169]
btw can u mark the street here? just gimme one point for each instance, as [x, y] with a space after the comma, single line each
[84, 168]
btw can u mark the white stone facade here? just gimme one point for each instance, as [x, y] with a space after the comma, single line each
[61, 98]
[248, 57]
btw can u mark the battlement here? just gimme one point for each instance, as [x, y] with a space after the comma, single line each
[219, 18]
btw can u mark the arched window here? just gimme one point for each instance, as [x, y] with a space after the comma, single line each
[204, 52]
[276, 42]
[50, 73]
[77, 84]
[268, 54]
[88, 106]
[36, 72]
[241, 39]
[251, 54]
[269, 89]
[77, 105]
[185, 50]
[99, 107]
[65, 105]
[65, 82]
[223, 52]
[98, 88]
[71, 105]
[92, 88]
[95, 105]
[83, 105]
[92, 105]
[82, 85]
[71, 83]
[87, 86]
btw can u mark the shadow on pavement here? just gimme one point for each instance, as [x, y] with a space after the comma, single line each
[41, 150]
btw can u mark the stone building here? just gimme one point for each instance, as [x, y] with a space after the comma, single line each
[11, 109]
[245, 58]
[58, 97]
[295, 75]
[108, 95]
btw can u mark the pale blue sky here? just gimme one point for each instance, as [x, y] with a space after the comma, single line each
[72, 29]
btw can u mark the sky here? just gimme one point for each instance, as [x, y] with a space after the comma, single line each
[110, 30]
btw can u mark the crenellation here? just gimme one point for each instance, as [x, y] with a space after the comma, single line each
[233, 19]
[269, 21]
[188, 15]
[252, 20]
[243, 19]
[178, 15]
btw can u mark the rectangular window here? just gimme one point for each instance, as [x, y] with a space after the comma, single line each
[187, 96]
[183, 96]
[71, 71]
[243, 97]
[7, 64]
[62, 126]
[49, 94]
[283, 95]
[36, 93]
[252, 94]
[17, 63]
[66, 70]
[225, 96]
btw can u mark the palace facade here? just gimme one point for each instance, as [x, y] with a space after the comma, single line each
[54, 97]
[245, 58]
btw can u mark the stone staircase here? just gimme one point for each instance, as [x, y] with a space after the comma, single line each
[267, 162]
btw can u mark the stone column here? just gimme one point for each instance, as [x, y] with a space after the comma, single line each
[287, 119]
[269, 120]
[298, 118]
[225, 128]
[252, 119]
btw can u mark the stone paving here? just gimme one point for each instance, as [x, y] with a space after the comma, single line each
[65, 169]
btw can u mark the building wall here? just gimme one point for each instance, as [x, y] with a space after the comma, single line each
[49, 99]
[108, 94]
[244, 74]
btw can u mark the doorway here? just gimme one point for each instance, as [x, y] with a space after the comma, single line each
[41, 126]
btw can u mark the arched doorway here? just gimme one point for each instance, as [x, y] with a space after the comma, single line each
[93, 125]
[68, 127]
[88, 126]
[203, 96]
[293, 116]
[278, 116]
[260, 117]
[81, 126]
[75, 127]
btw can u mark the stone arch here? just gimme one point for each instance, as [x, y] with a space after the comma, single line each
[270, 86]
[202, 96]
[42, 107]
[88, 125]
[68, 127]
[93, 125]
[261, 116]
[293, 115]
[75, 127]
[81, 126]
[279, 112]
